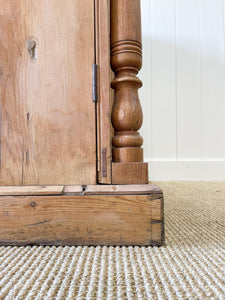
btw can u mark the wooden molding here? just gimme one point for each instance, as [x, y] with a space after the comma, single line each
[130, 173]
[104, 74]
[31, 190]
[106, 215]
[126, 189]
[126, 61]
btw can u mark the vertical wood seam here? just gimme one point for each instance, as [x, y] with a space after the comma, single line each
[103, 64]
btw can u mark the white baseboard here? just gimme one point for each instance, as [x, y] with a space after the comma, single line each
[187, 170]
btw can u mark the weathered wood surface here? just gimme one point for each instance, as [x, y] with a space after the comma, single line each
[130, 173]
[47, 115]
[139, 189]
[31, 190]
[116, 189]
[82, 219]
[102, 9]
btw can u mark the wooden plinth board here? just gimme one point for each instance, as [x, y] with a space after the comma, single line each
[83, 215]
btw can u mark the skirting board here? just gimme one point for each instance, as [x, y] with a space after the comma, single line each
[82, 215]
[187, 170]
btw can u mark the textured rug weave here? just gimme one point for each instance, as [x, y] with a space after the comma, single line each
[190, 266]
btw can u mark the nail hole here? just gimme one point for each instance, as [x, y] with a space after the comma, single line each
[31, 46]
[27, 155]
[33, 204]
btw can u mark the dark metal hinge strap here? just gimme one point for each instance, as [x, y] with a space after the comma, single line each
[104, 162]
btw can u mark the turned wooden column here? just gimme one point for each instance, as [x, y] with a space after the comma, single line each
[126, 61]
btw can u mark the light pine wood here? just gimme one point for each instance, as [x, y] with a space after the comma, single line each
[123, 189]
[102, 9]
[157, 225]
[130, 173]
[113, 189]
[51, 142]
[82, 219]
[31, 190]
[126, 61]
[47, 114]
[79, 189]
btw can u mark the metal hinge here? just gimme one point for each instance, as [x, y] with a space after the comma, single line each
[104, 162]
[94, 83]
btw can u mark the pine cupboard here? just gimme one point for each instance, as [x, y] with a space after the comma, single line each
[72, 170]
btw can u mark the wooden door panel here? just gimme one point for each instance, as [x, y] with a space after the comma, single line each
[47, 115]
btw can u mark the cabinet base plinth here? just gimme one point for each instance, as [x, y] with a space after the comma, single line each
[130, 173]
[94, 215]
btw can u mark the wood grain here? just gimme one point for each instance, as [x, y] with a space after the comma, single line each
[127, 154]
[157, 221]
[31, 190]
[126, 61]
[139, 189]
[113, 189]
[81, 220]
[47, 115]
[102, 9]
[130, 173]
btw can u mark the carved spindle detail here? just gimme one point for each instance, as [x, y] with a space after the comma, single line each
[126, 61]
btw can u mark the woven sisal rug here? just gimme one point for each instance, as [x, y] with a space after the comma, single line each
[190, 266]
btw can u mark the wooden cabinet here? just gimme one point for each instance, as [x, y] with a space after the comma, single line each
[72, 169]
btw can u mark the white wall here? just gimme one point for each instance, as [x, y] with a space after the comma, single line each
[183, 96]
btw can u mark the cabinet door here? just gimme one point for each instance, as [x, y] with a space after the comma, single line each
[47, 114]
